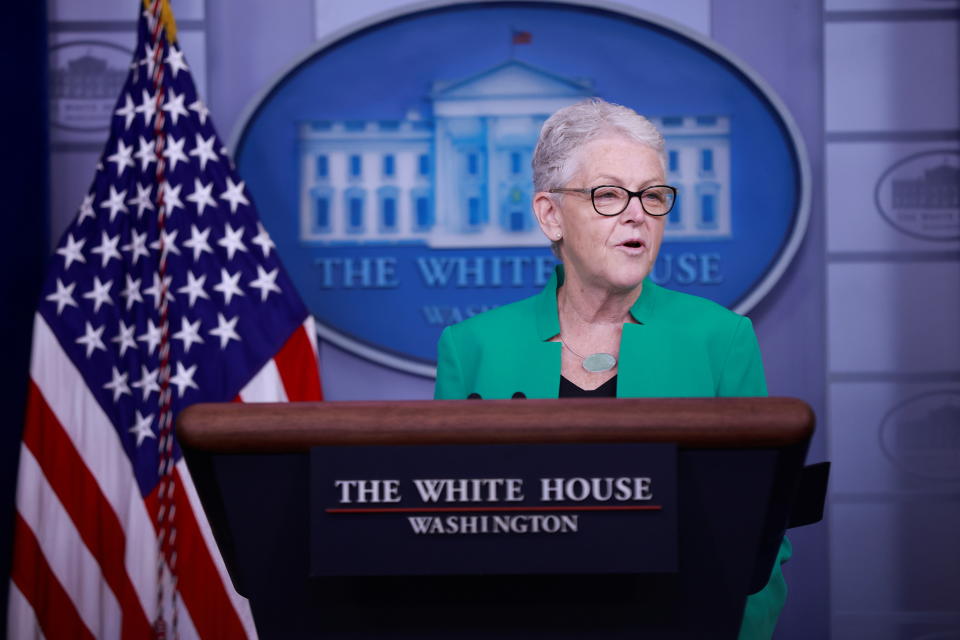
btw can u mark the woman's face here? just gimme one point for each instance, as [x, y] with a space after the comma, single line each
[612, 253]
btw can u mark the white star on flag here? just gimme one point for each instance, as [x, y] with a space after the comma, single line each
[64, 295]
[175, 60]
[147, 107]
[154, 289]
[143, 201]
[141, 428]
[225, 330]
[72, 251]
[228, 285]
[148, 381]
[151, 337]
[188, 334]
[107, 248]
[151, 23]
[131, 292]
[198, 241]
[137, 246]
[174, 152]
[171, 197]
[145, 154]
[150, 53]
[99, 293]
[194, 288]
[263, 240]
[169, 242]
[125, 337]
[115, 202]
[122, 157]
[91, 339]
[118, 384]
[184, 379]
[231, 240]
[201, 110]
[127, 111]
[86, 208]
[266, 282]
[174, 106]
[234, 195]
[204, 150]
[202, 196]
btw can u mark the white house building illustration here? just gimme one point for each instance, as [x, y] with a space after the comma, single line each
[460, 176]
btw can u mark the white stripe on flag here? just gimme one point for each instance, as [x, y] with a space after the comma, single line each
[241, 604]
[185, 628]
[310, 327]
[21, 620]
[97, 443]
[69, 559]
[266, 386]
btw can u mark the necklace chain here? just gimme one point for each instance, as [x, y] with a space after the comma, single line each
[570, 349]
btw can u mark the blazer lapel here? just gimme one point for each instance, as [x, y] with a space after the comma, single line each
[543, 356]
[645, 351]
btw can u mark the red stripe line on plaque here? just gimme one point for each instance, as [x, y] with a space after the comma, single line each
[55, 611]
[82, 499]
[615, 507]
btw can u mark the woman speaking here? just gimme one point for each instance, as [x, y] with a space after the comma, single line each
[601, 327]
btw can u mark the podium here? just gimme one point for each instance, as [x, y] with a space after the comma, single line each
[739, 462]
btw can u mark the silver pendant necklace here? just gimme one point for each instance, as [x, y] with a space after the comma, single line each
[595, 362]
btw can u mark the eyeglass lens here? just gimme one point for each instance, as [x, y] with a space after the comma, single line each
[610, 200]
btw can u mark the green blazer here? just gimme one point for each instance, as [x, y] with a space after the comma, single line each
[681, 346]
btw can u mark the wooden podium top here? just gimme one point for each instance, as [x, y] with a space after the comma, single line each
[692, 422]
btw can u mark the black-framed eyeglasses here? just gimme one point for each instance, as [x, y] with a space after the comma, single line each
[611, 200]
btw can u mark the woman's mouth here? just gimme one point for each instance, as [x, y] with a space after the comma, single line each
[632, 247]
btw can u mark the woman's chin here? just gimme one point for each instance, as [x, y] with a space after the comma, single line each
[630, 276]
[624, 281]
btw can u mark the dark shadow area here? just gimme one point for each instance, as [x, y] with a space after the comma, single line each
[24, 184]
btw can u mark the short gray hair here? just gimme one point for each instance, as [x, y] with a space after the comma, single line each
[565, 133]
[569, 129]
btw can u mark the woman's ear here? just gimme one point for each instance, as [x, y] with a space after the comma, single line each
[547, 210]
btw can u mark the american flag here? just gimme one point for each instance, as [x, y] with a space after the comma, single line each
[165, 290]
[521, 37]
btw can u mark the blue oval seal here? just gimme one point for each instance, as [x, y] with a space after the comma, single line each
[392, 164]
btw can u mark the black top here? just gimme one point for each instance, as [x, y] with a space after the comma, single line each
[607, 390]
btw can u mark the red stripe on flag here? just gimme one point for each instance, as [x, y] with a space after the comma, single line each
[55, 612]
[78, 492]
[297, 365]
[198, 582]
